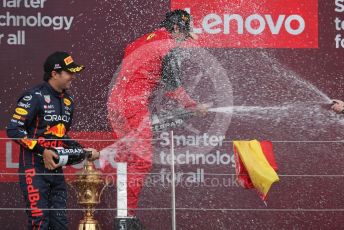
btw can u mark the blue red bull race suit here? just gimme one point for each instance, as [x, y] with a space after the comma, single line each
[149, 62]
[41, 120]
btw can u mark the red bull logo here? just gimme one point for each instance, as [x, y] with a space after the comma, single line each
[57, 130]
[33, 193]
[49, 144]
[29, 143]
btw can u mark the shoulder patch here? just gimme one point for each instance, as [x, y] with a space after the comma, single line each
[151, 36]
[21, 111]
[27, 97]
[67, 102]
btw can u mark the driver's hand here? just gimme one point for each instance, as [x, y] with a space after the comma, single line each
[201, 109]
[48, 159]
[94, 154]
[338, 106]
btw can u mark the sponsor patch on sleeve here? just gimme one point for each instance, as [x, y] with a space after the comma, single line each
[21, 111]
[29, 143]
[67, 101]
[27, 98]
[151, 36]
[15, 116]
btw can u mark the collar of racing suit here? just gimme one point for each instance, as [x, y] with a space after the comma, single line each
[53, 91]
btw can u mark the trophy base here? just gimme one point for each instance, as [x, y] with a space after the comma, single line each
[89, 224]
[128, 223]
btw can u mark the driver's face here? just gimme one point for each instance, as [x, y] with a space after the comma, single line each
[179, 35]
[64, 80]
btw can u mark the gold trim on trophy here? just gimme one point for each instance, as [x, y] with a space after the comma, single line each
[89, 186]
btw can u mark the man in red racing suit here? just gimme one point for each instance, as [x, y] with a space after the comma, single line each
[148, 62]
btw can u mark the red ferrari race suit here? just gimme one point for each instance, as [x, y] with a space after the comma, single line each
[149, 62]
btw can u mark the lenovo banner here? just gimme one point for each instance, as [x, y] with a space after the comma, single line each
[254, 23]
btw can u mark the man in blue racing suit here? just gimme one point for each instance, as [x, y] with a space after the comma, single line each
[40, 122]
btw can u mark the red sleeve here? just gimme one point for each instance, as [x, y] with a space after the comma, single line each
[182, 97]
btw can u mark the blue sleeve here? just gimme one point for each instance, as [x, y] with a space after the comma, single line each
[24, 116]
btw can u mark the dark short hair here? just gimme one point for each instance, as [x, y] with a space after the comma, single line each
[181, 18]
[47, 76]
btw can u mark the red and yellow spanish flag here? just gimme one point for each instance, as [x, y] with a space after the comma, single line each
[255, 165]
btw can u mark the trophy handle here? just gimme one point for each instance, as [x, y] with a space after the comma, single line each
[106, 184]
[101, 192]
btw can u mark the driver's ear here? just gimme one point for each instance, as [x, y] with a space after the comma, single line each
[54, 74]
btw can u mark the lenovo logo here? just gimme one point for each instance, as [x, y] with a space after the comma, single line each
[254, 23]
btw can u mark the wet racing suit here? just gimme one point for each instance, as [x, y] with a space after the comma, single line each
[149, 62]
[40, 121]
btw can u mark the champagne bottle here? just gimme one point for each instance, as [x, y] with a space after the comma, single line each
[70, 156]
